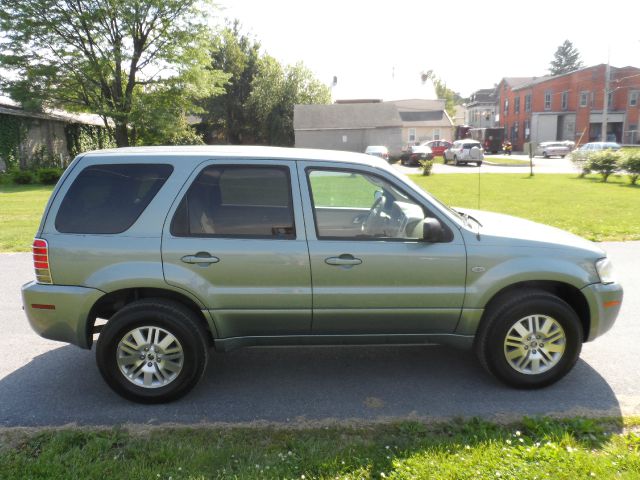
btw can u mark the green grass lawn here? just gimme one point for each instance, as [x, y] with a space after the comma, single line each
[532, 449]
[585, 206]
[21, 209]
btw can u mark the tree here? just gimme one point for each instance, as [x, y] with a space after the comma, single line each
[275, 91]
[227, 117]
[104, 56]
[451, 98]
[566, 59]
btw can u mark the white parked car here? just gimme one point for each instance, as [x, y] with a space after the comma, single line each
[599, 146]
[465, 151]
[552, 149]
[378, 151]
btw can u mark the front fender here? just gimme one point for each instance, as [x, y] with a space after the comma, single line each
[491, 269]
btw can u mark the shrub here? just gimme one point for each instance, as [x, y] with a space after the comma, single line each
[581, 160]
[604, 162]
[630, 163]
[49, 176]
[22, 177]
[426, 165]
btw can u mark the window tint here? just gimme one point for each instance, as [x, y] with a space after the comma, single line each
[107, 199]
[237, 201]
[350, 205]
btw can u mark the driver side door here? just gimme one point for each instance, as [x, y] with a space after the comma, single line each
[370, 272]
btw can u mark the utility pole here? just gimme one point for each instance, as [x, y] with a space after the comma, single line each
[605, 102]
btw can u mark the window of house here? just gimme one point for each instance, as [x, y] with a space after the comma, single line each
[506, 105]
[516, 105]
[527, 103]
[237, 201]
[412, 135]
[547, 100]
[584, 98]
[565, 100]
[633, 98]
[610, 101]
[436, 134]
[527, 132]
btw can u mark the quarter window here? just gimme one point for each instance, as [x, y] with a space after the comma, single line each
[237, 201]
[108, 199]
[359, 206]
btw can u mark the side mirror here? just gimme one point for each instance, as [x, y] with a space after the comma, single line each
[432, 231]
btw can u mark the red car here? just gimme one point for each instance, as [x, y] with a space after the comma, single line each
[438, 146]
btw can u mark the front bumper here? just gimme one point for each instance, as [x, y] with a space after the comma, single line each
[604, 302]
[60, 312]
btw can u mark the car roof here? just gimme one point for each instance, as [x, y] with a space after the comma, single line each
[240, 152]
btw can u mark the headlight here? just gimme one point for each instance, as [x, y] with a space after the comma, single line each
[604, 267]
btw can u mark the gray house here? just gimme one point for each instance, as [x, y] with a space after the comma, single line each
[354, 125]
[351, 126]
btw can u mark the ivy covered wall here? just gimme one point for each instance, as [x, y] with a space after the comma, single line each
[13, 130]
[36, 142]
[81, 138]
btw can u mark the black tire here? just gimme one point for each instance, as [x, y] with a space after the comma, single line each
[499, 320]
[455, 159]
[171, 317]
[479, 163]
[545, 155]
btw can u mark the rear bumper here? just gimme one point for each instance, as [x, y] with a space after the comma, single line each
[60, 312]
[604, 302]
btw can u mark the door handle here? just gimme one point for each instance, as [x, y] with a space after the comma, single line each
[344, 259]
[202, 258]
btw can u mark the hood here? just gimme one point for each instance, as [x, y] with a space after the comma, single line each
[500, 229]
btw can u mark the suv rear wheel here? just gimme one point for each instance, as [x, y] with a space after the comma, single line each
[530, 340]
[152, 351]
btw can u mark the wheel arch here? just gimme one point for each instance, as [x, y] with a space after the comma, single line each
[566, 292]
[112, 302]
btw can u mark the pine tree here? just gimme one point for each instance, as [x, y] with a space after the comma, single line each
[566, 59]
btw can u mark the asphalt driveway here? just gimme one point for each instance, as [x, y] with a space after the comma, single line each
[45, 383]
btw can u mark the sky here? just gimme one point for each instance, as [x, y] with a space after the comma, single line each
[378, 49]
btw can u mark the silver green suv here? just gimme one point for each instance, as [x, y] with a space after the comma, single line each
[163, 252]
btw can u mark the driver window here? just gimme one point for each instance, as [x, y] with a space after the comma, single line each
[358, 205]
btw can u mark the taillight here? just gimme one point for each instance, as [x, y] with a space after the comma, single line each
[41, 261]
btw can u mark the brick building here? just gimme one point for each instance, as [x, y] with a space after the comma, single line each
[570, 106]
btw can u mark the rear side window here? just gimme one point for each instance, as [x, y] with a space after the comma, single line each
[107, 199]
[237, 201]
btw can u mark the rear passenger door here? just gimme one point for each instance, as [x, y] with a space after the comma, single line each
[235, 238]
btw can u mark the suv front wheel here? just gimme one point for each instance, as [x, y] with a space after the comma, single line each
[530, 340]
[152, 351]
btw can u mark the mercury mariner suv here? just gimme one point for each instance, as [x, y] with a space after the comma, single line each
[158, 254]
